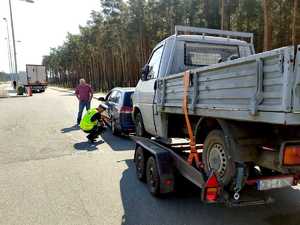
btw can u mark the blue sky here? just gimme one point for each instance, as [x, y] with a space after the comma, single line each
[41, 25]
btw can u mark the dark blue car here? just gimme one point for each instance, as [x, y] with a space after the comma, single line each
[118, 114]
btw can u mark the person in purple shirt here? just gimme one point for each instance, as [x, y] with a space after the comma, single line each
[84, 94]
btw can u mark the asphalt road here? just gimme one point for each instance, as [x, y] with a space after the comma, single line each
[50, 175]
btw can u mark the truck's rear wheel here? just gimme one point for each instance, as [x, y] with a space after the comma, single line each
[153, 179]
[140, 167]
[139, 125]
[216, 157]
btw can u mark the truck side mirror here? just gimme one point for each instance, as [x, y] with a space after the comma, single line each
[145, 72]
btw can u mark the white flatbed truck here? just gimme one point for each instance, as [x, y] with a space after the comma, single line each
[239, 110]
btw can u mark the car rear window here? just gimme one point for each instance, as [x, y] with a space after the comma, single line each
[200, 54]
[127, 99]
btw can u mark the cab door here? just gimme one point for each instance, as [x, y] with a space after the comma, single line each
[147, 89]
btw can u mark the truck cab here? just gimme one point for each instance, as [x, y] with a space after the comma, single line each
[178, 53]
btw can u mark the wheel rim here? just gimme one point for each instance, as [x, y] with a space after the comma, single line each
[217, 160]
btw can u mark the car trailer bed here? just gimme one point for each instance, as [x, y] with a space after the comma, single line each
[170, 158]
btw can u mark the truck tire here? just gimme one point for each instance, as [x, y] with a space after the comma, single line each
[152, 175]
[139, 125]
[216, 157]
[139, 160]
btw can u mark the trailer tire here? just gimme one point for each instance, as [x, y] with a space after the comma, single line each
[153, 178]
[140, 161]
[216, 157]
[139, 125]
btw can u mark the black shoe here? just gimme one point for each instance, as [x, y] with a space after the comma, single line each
[92, 140]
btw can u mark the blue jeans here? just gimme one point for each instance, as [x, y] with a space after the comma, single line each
[82, 104]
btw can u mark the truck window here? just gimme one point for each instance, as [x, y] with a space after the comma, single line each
[200, 54]
[154, 63]
[245, 51]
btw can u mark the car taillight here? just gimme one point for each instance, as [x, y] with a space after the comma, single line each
[126, 109]
[211, 189]
[291, 155]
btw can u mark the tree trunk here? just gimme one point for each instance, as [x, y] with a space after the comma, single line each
[222, 11]
[267, 24]
[296, 23]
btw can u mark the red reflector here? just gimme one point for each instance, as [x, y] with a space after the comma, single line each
[168, 182]
[211, 189]
[291, 155]
[211, 194]
[212, 181]
[126, 109]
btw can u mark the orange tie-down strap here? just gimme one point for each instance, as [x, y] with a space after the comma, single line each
[193, 156]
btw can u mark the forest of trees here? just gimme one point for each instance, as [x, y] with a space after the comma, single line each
[4, 77]
[117, 40]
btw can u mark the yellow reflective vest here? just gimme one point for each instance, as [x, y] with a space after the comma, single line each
[86, 123]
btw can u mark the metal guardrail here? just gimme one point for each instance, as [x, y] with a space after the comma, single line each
[206, 31]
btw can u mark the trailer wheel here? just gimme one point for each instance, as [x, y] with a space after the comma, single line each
[140, 167]
[153, 179]
[216, 157]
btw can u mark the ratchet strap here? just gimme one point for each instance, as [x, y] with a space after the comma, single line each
[193, 156]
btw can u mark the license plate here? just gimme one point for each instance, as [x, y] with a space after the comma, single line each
[267, 184]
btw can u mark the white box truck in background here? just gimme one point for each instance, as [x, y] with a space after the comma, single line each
[36, 77]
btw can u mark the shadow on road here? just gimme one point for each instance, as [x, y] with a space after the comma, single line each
[87, 146]
[70, 129]
[143, 209]
[117, 143]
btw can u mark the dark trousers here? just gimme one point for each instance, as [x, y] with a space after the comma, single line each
[82, 104]
[95, 132]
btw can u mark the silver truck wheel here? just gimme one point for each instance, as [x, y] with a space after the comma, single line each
[216, 157]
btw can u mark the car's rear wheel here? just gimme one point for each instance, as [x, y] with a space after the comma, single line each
[139, 125]
[114, 128]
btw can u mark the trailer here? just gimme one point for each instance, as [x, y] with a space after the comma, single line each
[239, 111]
[36, 77]
[163, 166]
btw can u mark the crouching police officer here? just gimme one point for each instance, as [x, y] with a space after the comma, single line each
[92, 122]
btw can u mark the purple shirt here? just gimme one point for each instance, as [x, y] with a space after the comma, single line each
[84, 92]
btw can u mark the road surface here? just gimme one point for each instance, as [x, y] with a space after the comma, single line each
[50, 175]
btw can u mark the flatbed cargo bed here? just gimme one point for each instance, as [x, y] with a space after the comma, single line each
[259, 88]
